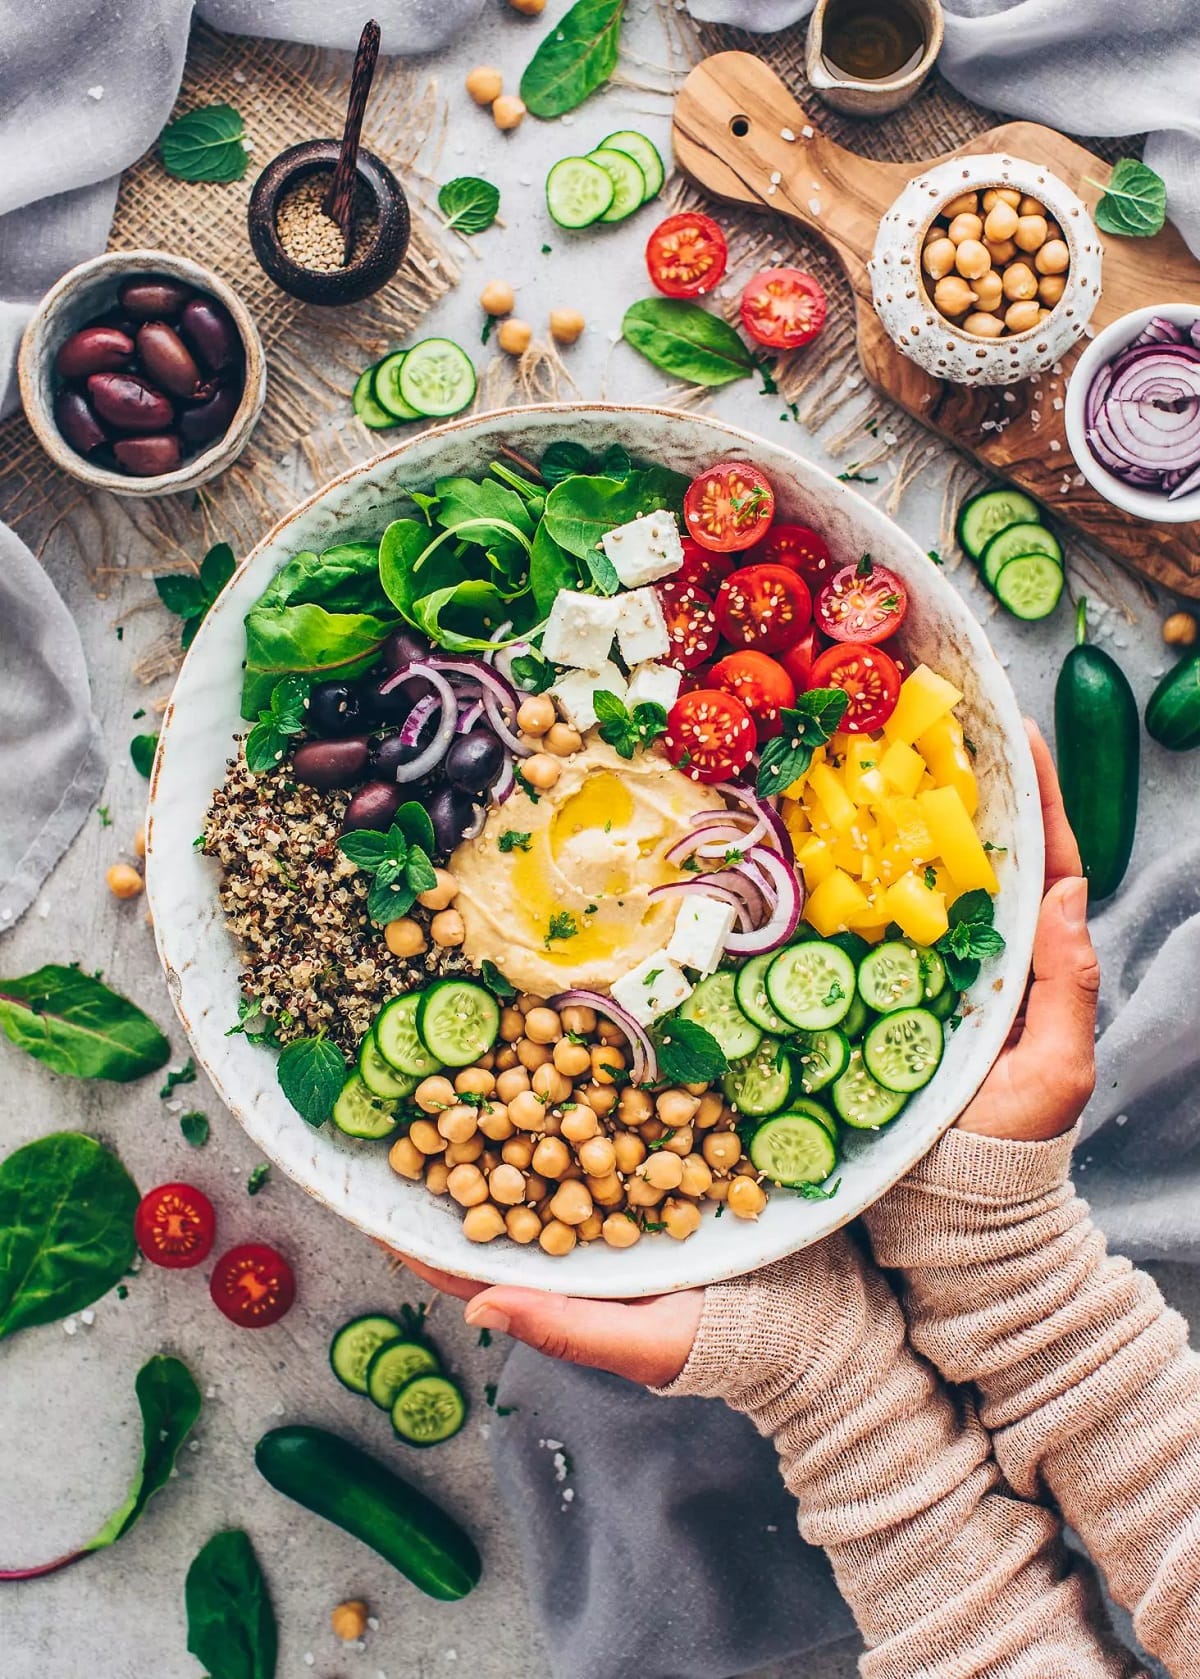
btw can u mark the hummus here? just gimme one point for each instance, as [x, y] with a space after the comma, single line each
[570, 904]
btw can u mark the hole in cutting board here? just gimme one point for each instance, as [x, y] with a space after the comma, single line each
[739, 126]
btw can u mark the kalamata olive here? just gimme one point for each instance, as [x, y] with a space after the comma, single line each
[331, 763]
[474, 761]
[394, 706]
[94, 349]
[77, 423]
[402, 647]
[209, 329]
[335, 708]
[166, 359]
[146, 457]
[373, 806]
[390, 753]
[452, 812]
[129, 403]
[206, 420]
[152, 299]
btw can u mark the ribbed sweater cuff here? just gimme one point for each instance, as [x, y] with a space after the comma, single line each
[995, 1169]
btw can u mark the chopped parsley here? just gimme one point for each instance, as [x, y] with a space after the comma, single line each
[563, 925]
[931, 877]
[652, 976]
[834, 995]
[105, 818]
[511, 840]
[184, 1075]
[525, 787]
[853, 475]
[258, 1178]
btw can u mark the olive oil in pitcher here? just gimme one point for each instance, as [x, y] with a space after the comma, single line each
[872, 40]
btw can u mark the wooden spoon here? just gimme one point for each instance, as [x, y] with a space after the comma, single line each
[339, 200]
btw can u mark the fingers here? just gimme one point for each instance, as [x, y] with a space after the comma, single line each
[646, 1340]
[1062, 853]
[1057, 1049]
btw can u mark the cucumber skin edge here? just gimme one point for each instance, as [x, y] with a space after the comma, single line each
[1167, 709]
[1096, 729]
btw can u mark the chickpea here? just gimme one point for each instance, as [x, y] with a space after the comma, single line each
[557, 1238]
[448, 928]
[566, 325]
[543, 1025]
[426, 1136]
[609, 1032]
[526, 1111]
[681, 1142]
[405, 937]
[467, 1185]
[1053, 258]
[607, 1060]
[483, 1223]
[571, 1059]
[123, 881]
[511, 1082]
[591, 1227]
[597, 1156]
[630, 1151]
[722, 1150]
[1031, 233]
[682, 1219]
[601, 1098]
[571, 1202]
[652, 1129]
[963, 228]
[607, 1191]
[621, 1232]
[1001, 251]
[639, 1193]
[1021, 317]
[504, 1059]
[441, 895]
[536, 714]
[474, 1081]
[635, 1106]
[971, 259]
[484, 84]
[494, 1123]
[508, 112]
[983, 326]
[1032, 207]
[528, 8]
[458, 1124]
[1053, 231]
[718, 1189]
[518, 1151]
[1001, 221]
[552, 1158]
[537, 1190]
[1020, 282]
[512, 1025]
[697, 1176]
[746, 1198]
[498, 298]
[937, 259]
[563, 740]
[434, 1094]
[1051, 288]
[463, 1154]
[532, 1056]
[578, 1019]
[550, 1083]
[506, 1184]
[349, 1620]
[139, 842]
[989, 290]
[1001, 195]
[437, 1175]
[580, 1123]
[514, 337]
[522, 1224]
[488, 1161]
[708, 1112]
[676, 1107]
[663, 1170]
[542, 771]
[1179, 630]
[953, 296]
[966, 204]
[406, 1158]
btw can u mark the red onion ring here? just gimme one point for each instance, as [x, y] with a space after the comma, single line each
[786, 918]
[764, 808]
[438, 746]
[644, 1068]
[475, 827]
[469, 714]
[504, 784]
[1142, 411]
[499, 697]
[414, 723]
[707, 887]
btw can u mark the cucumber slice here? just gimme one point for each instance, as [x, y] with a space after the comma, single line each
[811, 984]
[379, 1076]
[824, 1057]
[856, 1019]
[385, 388]
[365, 406]
[992, 511]
[944, 1004]
[713, 1005]
[794, 1148]
[578, 192]
[428, 1410]
[933, 973]
[395, 1362]
[355, 1345]
[855, 946]
[750, 988]
[458, 1021]
[629, 184]
[1030, 586]
[357, 1113]
[864, 1104]
[903, 1050]
[1011, 543]
[760, 1083]
[643, 152]
[437, 378]
[890, 977]
[399, 1041]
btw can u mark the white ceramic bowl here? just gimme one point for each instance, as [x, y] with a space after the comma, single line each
[201, 961]
[1143, 504]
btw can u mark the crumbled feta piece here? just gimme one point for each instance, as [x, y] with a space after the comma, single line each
[575, 693]
[580, 630]
[653, 988]
[645, 549]
[653, 684]
[701, 928]
[641, 627]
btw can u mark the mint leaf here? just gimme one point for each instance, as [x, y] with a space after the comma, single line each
[495, 981]
[687, 1053]
[532, 673]
[970, 938]
[311, 1073]
[365, 847]
[412, 821]
[812, 722]
[205, 145]
[419, 871]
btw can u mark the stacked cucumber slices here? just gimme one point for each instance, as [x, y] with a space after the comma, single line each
[609, 184]
[1019, 557]
[431, 381]
[402, 1374]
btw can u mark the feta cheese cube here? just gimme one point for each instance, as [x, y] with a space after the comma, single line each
[575, 694]
[653, 684]
[641, 627]
[701, 928]
[580, 630]
[653, 988]
[645, 549]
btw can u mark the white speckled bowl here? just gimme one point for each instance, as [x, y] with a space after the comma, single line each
[201, 961]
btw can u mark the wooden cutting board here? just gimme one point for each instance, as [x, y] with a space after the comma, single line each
[728, 138]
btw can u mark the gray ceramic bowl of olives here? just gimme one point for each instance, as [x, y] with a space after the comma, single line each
[142, 373]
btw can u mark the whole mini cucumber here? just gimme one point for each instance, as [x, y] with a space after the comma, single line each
[335, 1479]
[1096, 729]
[1173, 709]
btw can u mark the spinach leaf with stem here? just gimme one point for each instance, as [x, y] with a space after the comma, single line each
[1134, 203]
[469, 204]
[231, 1624]
[577, 56]
[686, 341]
[579, 511]
[74, 1023]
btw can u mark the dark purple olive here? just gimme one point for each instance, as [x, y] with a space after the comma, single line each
[330, 763]
[77, 423]
[335, 708]
[153, 299]
[452, 812]
[389, 754]
[94, 349]
[393, 707]
[209, 329]
[474, 761]
[146, 457]
[129, 403]
[206, 420]
[166, 359]
[373, 806]
[119, 319]
[402, 647]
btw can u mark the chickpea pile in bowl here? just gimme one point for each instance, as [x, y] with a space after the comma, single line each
[543, 1140]
[995, 262]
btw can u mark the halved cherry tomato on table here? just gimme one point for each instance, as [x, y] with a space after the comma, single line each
[783, 308]
[691, 624]
[710, 735]
[800, 549]
[729, 507]
[702, 566]
[686, 255]
[866, 602]
[867, 675]
[762, 685]
[175, 1226]
[763, 606]
[253, 1285]
[797, 660]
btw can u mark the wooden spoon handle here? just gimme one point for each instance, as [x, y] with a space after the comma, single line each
[339, 200]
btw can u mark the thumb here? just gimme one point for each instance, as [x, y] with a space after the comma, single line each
[645, 1340]
[1060, 1014]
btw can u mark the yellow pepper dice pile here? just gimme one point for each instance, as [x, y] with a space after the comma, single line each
[871, 818]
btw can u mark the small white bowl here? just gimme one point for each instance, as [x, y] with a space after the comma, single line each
[1143, 504]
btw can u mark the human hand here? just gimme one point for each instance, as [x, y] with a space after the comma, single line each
[1046, 1072]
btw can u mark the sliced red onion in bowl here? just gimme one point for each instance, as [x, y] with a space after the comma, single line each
[1142, 410]
[644, 1067]
[500, 700]
[750, 801]
[444, 696]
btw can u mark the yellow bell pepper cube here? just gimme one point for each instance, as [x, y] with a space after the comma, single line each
[799, 787]
[835, 903]
[902, 768]
[860, 771]
[919, 910]
[827, 784]
[911, 828]
[816, 861]
[848, 853]
[795, 818]
[945, 752]
[955, 840]
[924, 697]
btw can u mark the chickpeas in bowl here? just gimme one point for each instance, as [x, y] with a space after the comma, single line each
[995, 262]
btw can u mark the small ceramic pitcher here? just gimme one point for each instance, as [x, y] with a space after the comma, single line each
[871, 98]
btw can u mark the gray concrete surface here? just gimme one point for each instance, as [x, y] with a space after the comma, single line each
[68, 1420]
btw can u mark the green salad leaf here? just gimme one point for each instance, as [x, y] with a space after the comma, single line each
[205, 145]
[579, 511]
[78, 1027]
[551, 569]
[686, 341]
[141, 751]
[577, 56]
[470, 205]
[1134, 203]
[190, 594]
[194, 1127]
[566, 459]
[311, 1073]
[231, 1624]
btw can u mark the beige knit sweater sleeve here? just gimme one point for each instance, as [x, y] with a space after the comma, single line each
[1084, 1374]
[948, 1574]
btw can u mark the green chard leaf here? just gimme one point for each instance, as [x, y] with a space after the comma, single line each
[78, 1027]
[686, 1052]
[231, 1624]
[311, 1073]
[813, 721]
[1134, 203]
[141, 751]
[684, 340]
[470, 205]
[577, 56]
[207, 144]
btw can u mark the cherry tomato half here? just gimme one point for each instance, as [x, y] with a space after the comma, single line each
[797, 660]
[710, 735]
[175, 1226]
[866, 602]
[870, 678]
[800, 549]
[691, 624]
[762, 685]
[253, 1285]
[702, 566]
[783, 308]
[763, 606]
[686, 255]
[729, 507]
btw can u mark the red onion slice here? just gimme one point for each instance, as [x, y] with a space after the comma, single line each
[468, 715]
[783, 923]
[438, 746]
[706, 886]
[504, 784]
[1142, 410]
[500, 700]
[644, 1067]
[414, 723]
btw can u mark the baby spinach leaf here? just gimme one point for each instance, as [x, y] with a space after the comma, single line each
[344, 578]
[470, 205]
[310, 642]
[579, 511]
[78, 1027]
[686, 341]
[462, 619]
[563, 459]
[205, 145]
[551, 569]
[66, 1228]
[311, 1073]
[231, 1624]
[401, 572]
[141, 750]
[574, 59]
[497, 520]
[1134, 202]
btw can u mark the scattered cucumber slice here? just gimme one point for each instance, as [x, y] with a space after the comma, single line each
[890, 977]
[457, 1021]
[365, 406]
[794, 1147]
[427, 1410]
[902, 1051]
[629, 184]
[437, 378]
[355, 1345]
[713, 1005]
[750, 988]
[811, 984]
[395, 1362]
[578, 192]
[379, 1076]
[761, 1082]
[823, 1057]
[357, 1113]
[860, 1101]
[643, 152]
[992, 511]
[399, 1041]
[1011, 543]
[1030, 586]
[385, 388]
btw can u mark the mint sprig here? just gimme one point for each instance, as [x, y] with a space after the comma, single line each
[267, 741]
[812, 722]
[626, 730]
[970, 938]
[399, 862]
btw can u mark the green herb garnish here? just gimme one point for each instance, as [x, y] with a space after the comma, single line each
[813, 722]
[626, 730]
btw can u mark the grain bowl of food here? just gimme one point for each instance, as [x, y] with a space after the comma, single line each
[591, 847]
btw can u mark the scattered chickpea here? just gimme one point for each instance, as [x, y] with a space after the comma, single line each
[746, 1198]
[543, 1026]
[953, 296]
[1179, 630]
[606, 1062]
[437, 1177]
[506, 1183]
[514, 336]
[433, 1094]
[537, 714]
[965, 227]
[697, 1176]
[527, 1112]
[557, 1238]
[528, 8]
[464, 1154]
[425, 1135]
[532, 1056]
[523, 1225]
[483, 1223]
[405, 937]
[508, 112]
[511, 1082]
[566, 325]
[630, 1151]
[441, 895]
[123, 881]
[406, 1158]
[1053, 258]
[139, 843]
[349, 1620]
[663, 1170]
[484, 84]
[447, 928]
[563, 740]
[497, 298]
[682, 1219]
[541, 771]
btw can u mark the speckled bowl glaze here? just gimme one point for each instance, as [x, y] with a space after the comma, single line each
[906, 309]
[201, 960]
